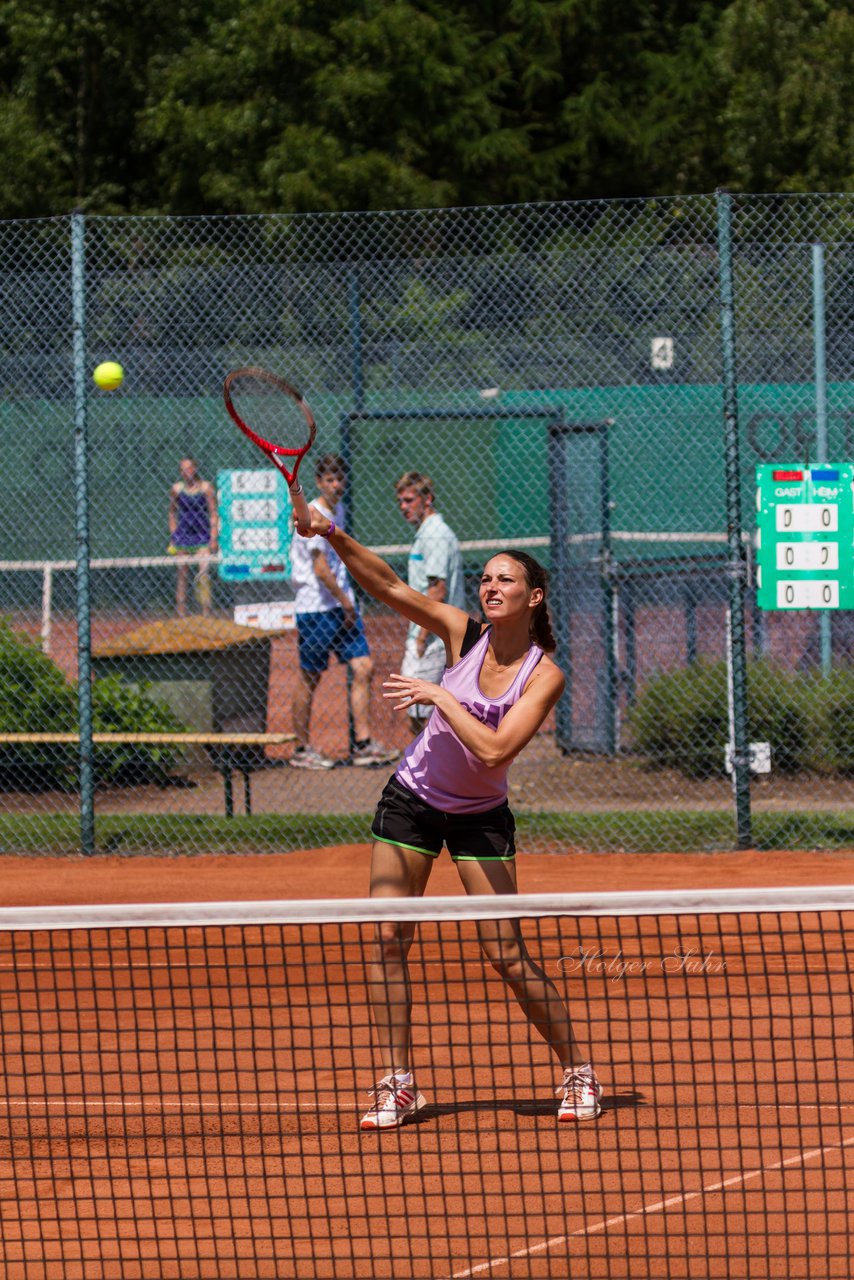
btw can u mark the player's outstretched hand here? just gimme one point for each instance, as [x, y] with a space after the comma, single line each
[410, 691]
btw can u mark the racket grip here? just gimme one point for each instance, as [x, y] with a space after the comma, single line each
[300, 507]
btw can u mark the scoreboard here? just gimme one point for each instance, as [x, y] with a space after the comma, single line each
[255, 525]
[805, 536]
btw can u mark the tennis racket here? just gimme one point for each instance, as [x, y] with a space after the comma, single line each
[275, 417]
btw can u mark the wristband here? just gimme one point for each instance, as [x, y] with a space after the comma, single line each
[330, 530]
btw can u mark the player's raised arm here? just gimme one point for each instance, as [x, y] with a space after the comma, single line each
[378, 578]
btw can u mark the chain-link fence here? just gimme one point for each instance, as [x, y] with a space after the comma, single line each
[574, 382]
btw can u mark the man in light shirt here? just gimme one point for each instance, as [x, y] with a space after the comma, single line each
[328, 622]
[436, 570]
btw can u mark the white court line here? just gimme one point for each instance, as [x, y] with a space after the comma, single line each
[659, 1205]
[233, 1106]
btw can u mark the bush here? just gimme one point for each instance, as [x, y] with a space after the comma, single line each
[830, 705]
[122, 708]
[35, 697]
[681, 719]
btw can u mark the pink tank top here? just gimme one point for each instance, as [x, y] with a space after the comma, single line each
[437, 767]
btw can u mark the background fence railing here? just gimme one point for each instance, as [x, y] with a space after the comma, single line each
[567, 374]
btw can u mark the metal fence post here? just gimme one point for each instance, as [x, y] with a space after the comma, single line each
[561, 608]
[824, 619]
[559, 433]
[610, 603]
[737, 568]
[355, 308]
[345, 426]
[81, 494]
[355, 300]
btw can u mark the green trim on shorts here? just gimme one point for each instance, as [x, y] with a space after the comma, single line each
[472, 857]
[398, 844]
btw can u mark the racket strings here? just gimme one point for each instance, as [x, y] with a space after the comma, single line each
[271, 412]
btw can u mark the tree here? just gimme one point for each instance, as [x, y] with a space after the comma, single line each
[788, 66]
[72, 77]
[302, 106]
[294, 105]
[619, 93]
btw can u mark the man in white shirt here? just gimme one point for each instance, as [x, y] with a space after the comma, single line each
[328, 622]
[436, 570]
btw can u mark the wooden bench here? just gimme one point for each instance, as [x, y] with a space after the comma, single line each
[226, 761]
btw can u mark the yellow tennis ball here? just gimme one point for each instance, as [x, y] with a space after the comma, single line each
[109, 375]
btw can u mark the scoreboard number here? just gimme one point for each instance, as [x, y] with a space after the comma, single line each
[805, 536]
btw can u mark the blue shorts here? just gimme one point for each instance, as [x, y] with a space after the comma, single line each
[323, 633]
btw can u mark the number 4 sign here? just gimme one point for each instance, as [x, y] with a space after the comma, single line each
[805, 536]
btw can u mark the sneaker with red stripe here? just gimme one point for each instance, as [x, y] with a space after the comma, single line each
[396, 1100]
[582, 1095]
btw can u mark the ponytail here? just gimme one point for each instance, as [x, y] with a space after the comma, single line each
[536, 576]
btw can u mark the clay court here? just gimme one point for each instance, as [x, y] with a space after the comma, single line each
[342, 872]
[198, 1130]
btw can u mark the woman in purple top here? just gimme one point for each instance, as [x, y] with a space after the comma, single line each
[451, 788]
[193, 528]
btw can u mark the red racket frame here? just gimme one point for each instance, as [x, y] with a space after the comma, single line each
[276, 452]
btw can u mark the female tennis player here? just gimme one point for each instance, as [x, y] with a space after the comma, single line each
[451, 788]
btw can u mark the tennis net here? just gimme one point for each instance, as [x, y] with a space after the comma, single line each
[181, 1088]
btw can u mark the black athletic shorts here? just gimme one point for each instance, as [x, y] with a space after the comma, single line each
[404, 820]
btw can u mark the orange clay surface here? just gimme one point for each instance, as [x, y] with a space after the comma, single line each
[175, 1116]
[342, 872]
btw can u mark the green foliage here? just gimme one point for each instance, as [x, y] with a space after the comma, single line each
[35, 697]
[120, 708]
[787, 66]
[829, 706]
[680, 720]
[297, 105]
[74, 76]
[32, 180]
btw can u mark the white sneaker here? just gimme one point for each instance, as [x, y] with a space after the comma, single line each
[395, 1102]
[308, 758]
[582, 1095]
